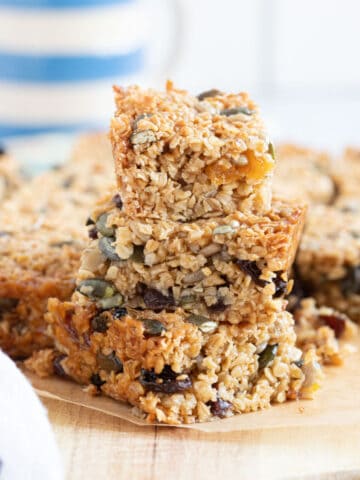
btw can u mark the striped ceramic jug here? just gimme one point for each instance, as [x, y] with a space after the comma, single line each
[59, 59]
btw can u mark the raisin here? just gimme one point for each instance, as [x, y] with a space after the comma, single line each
[218, 307]
[93, 233]
[335, 322]
[67, 182]
[267, 355]
[250, 268]
[119, 312]
[89, 221]
[99, 323]
[7, 304]
[58, 368]
[155, 300]
[165, 382]
[351, 282]
[219, 408]
[95, 379]
[280, 285]
[117, 201]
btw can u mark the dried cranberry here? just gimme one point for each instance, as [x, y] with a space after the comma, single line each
[336, 322]
[95, 379]
[280, 285]
[117, 201]
[250, 268]
[119, 312]
[89, 221]
[351, 283]
[165, 382]
[93, 233]
[220, 407]
[155, 300]
[58, 368]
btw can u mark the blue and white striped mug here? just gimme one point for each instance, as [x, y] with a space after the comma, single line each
[59, 58]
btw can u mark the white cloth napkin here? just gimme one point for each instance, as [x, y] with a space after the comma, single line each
[27, 446]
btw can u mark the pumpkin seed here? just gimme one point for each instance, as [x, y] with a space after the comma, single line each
[109, 362]
[228, 112]
[107, 303]
[153, 327]
[223, 230]
[203, 323]
[267, 355]
[186, 299]
[209, 93]
[271, 150]
[102, 228]
[107, 248]
[96, 288]
[138, 254]
[210, 249]
[141, 137]
[194, 277]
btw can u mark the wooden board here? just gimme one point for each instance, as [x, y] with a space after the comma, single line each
[98, 446]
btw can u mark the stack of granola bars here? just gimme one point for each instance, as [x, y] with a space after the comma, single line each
[179, 307]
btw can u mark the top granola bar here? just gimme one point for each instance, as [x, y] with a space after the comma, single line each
[186, 157]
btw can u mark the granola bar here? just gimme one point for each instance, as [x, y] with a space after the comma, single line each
[41, 240]
[326, 329]
[304, 174]
[328, 262]
[173, 370]
[10, 177]
[189, 157]
[346, 173]
[229, 269]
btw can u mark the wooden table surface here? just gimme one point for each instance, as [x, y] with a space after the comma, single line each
[98, 446]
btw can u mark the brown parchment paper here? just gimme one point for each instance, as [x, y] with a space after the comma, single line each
[336, 404]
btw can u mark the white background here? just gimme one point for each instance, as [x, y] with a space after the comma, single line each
[300, 60]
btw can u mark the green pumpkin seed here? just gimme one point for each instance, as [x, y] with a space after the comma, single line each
[102, 228]
[138, 254]
[109, 362]
[228, 112]
[203, 323]
[153, 327]
[141, 137]
[271, 150]
[186, 299]
[267, 355]
[209, 93]
[223, 230]
[194, 277]
[115, 301]
[107, 248]
[96, 288]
